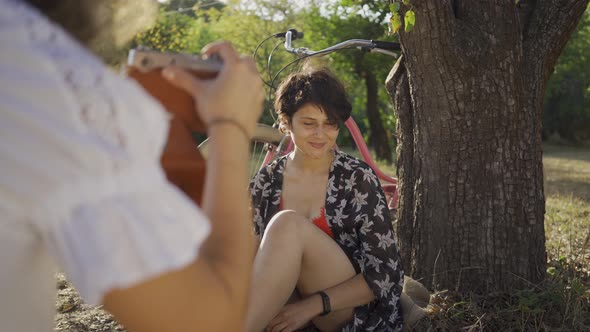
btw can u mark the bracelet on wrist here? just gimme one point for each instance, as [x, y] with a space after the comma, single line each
[325, 303]
[217, 121]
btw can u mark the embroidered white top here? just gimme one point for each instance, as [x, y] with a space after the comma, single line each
[81, 188]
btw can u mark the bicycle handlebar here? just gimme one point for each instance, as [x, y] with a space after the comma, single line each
[294, 34]
[378, 46]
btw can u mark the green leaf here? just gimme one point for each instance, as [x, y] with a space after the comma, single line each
[409, 20]
[395, 22]
[406, 2]
[394, 7]
[578, 287]
[410, 17]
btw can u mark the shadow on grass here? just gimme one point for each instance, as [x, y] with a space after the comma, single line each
[560, 303]
[567, 187]
[581, 153]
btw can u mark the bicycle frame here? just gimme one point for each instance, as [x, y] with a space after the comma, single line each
[390, 185]
[383, 47]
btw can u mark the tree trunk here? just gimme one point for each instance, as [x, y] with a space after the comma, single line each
[378, 138]
[468, 96]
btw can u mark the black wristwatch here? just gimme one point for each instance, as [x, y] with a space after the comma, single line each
[325, 303]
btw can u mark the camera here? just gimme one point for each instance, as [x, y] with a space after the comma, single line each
[145, 66]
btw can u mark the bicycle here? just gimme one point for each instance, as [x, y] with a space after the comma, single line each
[275, 144]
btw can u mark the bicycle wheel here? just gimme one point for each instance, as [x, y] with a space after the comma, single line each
[266, 144]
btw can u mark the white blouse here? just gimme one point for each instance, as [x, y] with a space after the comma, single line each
[80, 180]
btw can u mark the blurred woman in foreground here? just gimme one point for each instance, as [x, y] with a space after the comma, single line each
[81, 185]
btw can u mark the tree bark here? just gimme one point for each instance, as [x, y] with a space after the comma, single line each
[468, 97]
[398, 82]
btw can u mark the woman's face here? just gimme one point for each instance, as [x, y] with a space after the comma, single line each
[313, 134]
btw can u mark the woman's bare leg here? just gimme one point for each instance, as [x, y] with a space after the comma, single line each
[276, 270]
[294, 253]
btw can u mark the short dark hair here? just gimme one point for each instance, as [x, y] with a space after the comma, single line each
[317, 86]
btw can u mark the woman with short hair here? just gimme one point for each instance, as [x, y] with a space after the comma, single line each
[325, 228]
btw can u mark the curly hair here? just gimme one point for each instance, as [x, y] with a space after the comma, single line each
[317, 86]
[96, 23]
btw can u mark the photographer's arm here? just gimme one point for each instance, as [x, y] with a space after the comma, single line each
[210, 294]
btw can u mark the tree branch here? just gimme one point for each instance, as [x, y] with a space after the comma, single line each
[548, 29]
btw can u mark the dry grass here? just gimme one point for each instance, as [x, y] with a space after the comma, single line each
[567, 219]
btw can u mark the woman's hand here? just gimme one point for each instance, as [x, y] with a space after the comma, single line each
[236, 93]
[294, 316]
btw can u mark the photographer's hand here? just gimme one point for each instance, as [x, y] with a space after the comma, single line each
[236, 93]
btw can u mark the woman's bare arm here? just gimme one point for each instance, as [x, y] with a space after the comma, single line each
[211, 293]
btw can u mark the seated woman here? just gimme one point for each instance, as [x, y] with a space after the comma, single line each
[325, 228]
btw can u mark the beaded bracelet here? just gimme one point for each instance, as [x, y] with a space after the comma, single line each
[217, 121]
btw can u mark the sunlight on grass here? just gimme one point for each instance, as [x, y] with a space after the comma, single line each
[567, 228]
[567, 173]
[567, 203]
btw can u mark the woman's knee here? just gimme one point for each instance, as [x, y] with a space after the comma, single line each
[286, 223]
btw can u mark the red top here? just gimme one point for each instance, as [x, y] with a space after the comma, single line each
[320, 221]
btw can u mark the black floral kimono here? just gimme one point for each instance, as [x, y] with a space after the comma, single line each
[357, 214]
